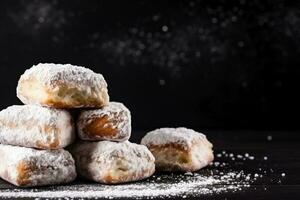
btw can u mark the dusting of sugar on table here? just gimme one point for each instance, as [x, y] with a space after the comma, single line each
[219, 178]
[189, 184]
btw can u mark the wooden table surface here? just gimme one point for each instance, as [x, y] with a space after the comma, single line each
[283, 157]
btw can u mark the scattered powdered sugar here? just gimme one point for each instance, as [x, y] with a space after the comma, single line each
[269, 137]
[232, 156]
[181, 135]
[166, 186]
[221, 177]
[119, 118]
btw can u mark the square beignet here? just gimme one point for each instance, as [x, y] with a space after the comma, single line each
[113, 162]
[36, 127]
[28, 167]
[62, 86]
[111, 122]
[179, 149]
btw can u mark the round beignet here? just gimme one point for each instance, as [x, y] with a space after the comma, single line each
[113, 162]
[179, 149]
[62, 86]
[36, 127]
[111, 122]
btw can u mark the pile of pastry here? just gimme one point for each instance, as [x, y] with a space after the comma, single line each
[33, 136]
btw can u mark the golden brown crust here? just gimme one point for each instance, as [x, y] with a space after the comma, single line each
[51, 145]
[179, 149]
[171, 146]
[24, 170]
[64, 97]
[100, 127]
[111, 122]
[174, 152]
[78, 98]
[173, 157]
[54, 103]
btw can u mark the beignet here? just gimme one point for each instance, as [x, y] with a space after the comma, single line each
[111, 122]
[112, 162]
[62, 86]
[28, 167]
[179, 149]
[37, 127]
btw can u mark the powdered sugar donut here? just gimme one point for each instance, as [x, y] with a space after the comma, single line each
[111, 122]
[113, 162]
[30, 167]
[179, 149]
[37, 127]
[62, 86]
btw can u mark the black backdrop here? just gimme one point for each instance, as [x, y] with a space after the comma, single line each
[201, 64]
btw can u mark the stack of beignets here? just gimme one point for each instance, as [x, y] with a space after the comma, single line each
[32, 136]
[106, 155]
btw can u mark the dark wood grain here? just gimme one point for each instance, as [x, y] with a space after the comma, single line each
[283, 155]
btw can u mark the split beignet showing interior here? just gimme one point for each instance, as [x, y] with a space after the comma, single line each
[111, 122]
[62, 86]
[37, 127]
[179, 149]
[28, 167]
[111, 162]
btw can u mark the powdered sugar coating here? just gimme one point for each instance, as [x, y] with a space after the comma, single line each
[181, 136]
[29, 167]
[179, 149]
[35, 126]
[49, 74]
[56, 79]
[113, 162]
[118, 119]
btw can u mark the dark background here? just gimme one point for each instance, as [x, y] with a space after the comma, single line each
[200, 64]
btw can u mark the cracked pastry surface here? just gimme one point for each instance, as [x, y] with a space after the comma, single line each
[62, 86]
[179, 149]
[36, 127]
[111, 122]
[111, 162]
[28, 167]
